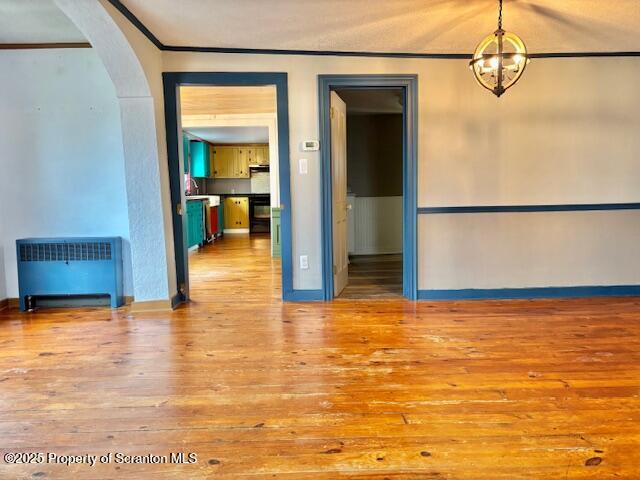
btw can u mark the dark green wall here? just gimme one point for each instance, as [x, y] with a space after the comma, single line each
[374, 154]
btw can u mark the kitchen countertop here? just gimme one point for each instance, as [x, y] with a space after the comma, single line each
[219, 195]
[243, 194]
[212, 199]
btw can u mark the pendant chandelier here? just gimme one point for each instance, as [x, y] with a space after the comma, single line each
[499, 59]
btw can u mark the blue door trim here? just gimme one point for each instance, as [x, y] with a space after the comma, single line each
[529, 208]
[530, 293]
[172, 80]
[305, 296]
[409, 84]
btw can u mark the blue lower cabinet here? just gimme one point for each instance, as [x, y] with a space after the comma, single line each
[221, 217]
[195, 222]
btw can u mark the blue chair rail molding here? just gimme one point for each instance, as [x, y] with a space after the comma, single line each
[571, 207]
[69, 267]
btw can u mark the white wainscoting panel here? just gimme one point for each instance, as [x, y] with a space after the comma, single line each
[377, 225]
[351, 225]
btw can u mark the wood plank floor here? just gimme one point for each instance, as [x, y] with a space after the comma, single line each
[383, 389]
[374, 276]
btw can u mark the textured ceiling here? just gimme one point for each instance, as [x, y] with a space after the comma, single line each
[416, 26]
[35, 21]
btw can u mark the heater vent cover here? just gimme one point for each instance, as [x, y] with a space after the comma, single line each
[65, 252]
[69, 267]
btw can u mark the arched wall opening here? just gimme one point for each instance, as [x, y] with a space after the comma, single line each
[153, 274]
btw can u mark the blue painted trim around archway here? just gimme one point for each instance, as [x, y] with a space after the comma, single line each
[409, 85]
[172, 80]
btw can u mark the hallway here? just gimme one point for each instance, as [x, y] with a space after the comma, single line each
[356, 389]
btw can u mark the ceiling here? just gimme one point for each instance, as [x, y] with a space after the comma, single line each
[413, 26]
[363, 101]
[36, 21]
[230, 135]
[227, 100]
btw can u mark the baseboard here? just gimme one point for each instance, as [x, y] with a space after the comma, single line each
[151, 306]
[303, 296]
[236, 230]
[15, 302]
[530, 293]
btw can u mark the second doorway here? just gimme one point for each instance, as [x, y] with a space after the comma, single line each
[367, 147]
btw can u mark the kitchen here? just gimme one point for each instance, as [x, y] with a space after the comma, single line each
[231, 184]
[227, 184]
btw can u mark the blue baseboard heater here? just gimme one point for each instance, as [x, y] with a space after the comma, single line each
[69, 267]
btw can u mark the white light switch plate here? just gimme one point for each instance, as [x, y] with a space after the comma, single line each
[304, 262]
[303, 165]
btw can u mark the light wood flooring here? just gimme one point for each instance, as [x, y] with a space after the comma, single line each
[360, 389]
[374, 276]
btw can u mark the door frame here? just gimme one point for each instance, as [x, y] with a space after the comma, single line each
[171, 82]
[409, 86]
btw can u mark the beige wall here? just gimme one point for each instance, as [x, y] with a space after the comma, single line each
[567, 133]
[498, 250]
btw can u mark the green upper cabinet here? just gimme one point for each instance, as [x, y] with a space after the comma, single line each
[185, 152]
[200, 165]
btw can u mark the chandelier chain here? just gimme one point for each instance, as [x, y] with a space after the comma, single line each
[500, 16]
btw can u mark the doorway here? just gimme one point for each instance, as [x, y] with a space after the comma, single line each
[374, 124]
[387, 264]
[208, 166]
[231, 180]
